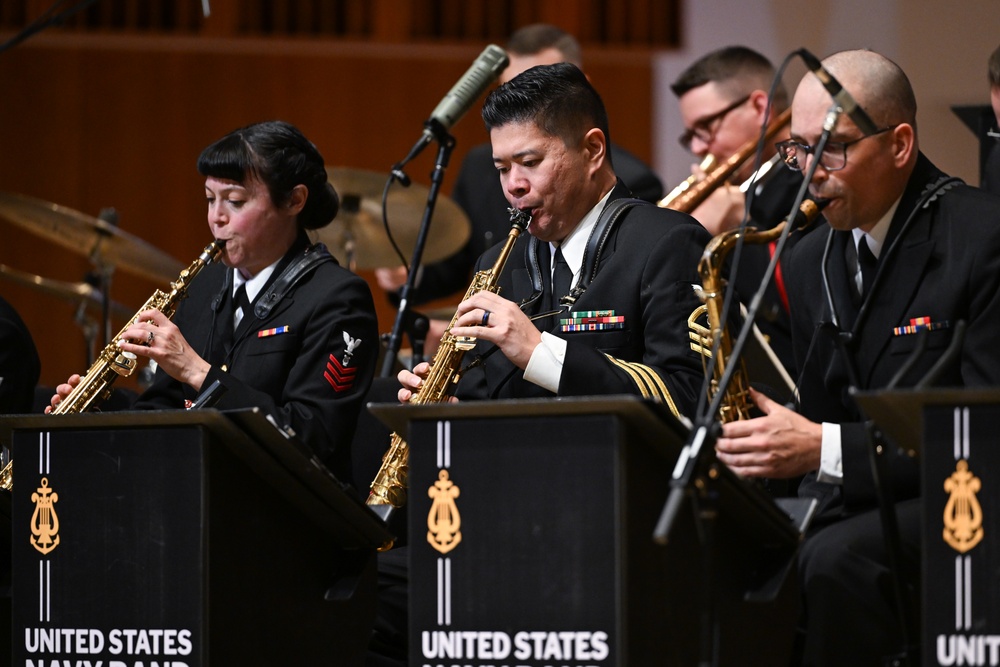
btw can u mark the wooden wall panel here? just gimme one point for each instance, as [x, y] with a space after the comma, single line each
[91, 122]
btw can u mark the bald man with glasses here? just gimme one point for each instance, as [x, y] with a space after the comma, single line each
[909, 252]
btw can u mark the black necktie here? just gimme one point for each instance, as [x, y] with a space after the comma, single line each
[561, 278]
[868, 264]
[238, 301]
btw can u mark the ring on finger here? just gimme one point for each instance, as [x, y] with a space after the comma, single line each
[486, 318]
[149, 338]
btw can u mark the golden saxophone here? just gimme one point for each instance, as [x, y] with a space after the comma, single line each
[687, 196]
[737, 404]
[112, 362]
[388, 490]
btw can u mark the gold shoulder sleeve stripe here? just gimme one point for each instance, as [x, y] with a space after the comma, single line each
[650, 384]
[639, 381]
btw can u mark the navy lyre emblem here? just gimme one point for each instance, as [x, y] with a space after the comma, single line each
[443, 521]
[44, 522]
[963, 515]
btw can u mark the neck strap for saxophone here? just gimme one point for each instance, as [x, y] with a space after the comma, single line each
[608, 220]
[299, 268]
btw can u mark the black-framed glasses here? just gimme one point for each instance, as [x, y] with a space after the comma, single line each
[705, 128]
[834, 157]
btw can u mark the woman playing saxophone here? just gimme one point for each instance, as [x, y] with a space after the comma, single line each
[280, 326]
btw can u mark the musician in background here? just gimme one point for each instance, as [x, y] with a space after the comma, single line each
[281, 326]
[477, 191]
[991, 169]
[19, 363]
[723, 100]
[900, 248]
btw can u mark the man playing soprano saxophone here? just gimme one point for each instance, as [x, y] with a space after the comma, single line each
[627, 333]
[549, 135]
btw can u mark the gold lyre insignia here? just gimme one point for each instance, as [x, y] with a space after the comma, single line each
[443, 521]
[963, 516]
[44, 522]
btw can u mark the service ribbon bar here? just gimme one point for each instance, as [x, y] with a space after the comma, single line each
[273, 332]
[592, 320]
[918, 324]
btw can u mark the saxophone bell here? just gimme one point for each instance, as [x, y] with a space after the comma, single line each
[715, 338]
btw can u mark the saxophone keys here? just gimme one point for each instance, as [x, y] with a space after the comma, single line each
[465, 343]
[125, 363]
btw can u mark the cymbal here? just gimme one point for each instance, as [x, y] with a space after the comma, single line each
[357, 237]
[103, 243]
[73, 292]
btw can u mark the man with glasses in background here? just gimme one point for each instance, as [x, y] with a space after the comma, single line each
[723, 100]
[909, 253]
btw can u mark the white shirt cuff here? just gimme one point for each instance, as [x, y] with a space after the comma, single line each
[831, 464]
[546, 363]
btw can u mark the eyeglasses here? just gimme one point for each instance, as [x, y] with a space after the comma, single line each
[705, 128]
[834, 157]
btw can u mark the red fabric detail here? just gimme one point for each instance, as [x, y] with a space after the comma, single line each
[779, 277]
[340, 377]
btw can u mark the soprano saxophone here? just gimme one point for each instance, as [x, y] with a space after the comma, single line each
[388, 490]
[113, 363]
[737, 404]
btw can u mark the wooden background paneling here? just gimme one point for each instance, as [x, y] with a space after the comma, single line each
[91, 120]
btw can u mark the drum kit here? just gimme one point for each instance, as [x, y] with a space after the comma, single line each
[356, 237]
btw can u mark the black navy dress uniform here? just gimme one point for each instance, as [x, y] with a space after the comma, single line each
[305, 352]
[642, 278]
[939, 264]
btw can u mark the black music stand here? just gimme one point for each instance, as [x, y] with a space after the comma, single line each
[213, 532]
[556, 503]
[953, 433]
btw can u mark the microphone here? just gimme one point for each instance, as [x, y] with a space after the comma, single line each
[463, 94]
[840, 96]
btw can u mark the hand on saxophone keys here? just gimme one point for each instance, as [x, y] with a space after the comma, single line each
[507, 326]
[156, 337]
[62, 391]
[412, 381]
[781, 445]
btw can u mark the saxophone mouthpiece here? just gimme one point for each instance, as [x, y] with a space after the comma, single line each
[519, 218]
[212, 251]
[808, 210]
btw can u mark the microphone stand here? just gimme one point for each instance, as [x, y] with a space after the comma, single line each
[695, 475]
[695, 455]
[446, 144]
